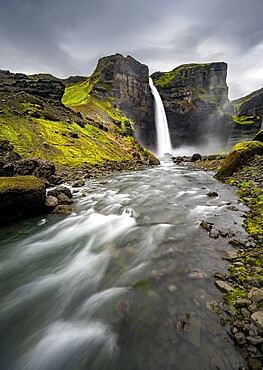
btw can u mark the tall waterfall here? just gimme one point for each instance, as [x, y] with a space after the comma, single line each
[163, 136]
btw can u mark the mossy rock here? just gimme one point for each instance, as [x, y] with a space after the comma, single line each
[21, 196]
[238, 156]
[259, 136]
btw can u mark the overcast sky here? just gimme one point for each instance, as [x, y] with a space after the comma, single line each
[67, 37]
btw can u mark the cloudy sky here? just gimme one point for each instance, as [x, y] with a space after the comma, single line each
[67, 37]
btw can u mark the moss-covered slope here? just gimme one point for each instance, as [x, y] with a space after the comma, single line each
[37, 124]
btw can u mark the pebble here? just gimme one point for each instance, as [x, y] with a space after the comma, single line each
[240, 338]
[256, 294]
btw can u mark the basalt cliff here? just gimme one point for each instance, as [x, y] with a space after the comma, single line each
[195, 97]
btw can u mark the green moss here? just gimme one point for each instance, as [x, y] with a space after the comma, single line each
[245, 120]
[78, 94]
[19, 183]
[237, 157]
[38, 137]
[167, 77]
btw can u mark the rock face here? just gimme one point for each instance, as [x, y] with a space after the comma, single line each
[248, 116]
[48, 88]
[21, 196]
[250, 105]
[195, 97]
[124, 82]
[11, 164]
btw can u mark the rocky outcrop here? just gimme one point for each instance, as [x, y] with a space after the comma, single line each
[250, 105]
[48, 88]
[11, 164]
[21, 196]
[237, 158]
[124, 83]
[195, 97]
[247, 117]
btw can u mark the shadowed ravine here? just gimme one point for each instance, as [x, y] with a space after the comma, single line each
[123, 284]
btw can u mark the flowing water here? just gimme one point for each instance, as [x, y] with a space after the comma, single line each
[162, 131]
[124, 283]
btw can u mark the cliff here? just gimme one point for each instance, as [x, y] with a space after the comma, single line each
[194, 97]
[247, 118]
[37, 124]
[120, 87]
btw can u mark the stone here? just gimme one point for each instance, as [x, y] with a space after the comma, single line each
[64, 199]
[256, 294]
[189, 328]
[51, 202]
[255, 340]
[245, 312]
[60, 189]
[242, 302]
[196, 157]
[21, 196]
[123, 309]
[254, 363]
[240, 338]
[214, 233]
[78, 183]
[63, 209]
[154, 161]
[206, 225]
[223, 286]
[212, 194]
[257, 318]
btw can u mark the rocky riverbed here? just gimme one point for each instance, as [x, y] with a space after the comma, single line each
[243, 285]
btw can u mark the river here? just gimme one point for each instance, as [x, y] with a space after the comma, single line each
[126, 282]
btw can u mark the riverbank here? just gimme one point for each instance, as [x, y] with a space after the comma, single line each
[243, 286]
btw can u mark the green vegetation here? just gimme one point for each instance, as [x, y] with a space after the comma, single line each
[18, 183]
[167, 77]
[245, 120]
[78, 94]
[39, 137]
[239, 102]
[237, 157]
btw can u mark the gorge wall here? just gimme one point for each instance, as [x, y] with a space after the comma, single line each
[195, 96]
[124, 83]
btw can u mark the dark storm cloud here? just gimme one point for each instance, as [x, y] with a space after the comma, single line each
[66, 37]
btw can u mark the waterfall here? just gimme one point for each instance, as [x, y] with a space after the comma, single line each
[163, 136]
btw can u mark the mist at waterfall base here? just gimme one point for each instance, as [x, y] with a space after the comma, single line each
[208, 144]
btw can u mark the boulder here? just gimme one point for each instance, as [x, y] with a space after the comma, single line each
[63, 210]
[256, 294]
[21, 196]
[238, 156]
[196, 157]
[51, 202]
[60, 190]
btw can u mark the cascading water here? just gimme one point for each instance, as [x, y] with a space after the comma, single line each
[163, 137]
[126, 282]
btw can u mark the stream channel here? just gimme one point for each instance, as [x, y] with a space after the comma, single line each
[124, 283]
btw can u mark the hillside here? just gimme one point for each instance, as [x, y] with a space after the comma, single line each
[37, 124]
